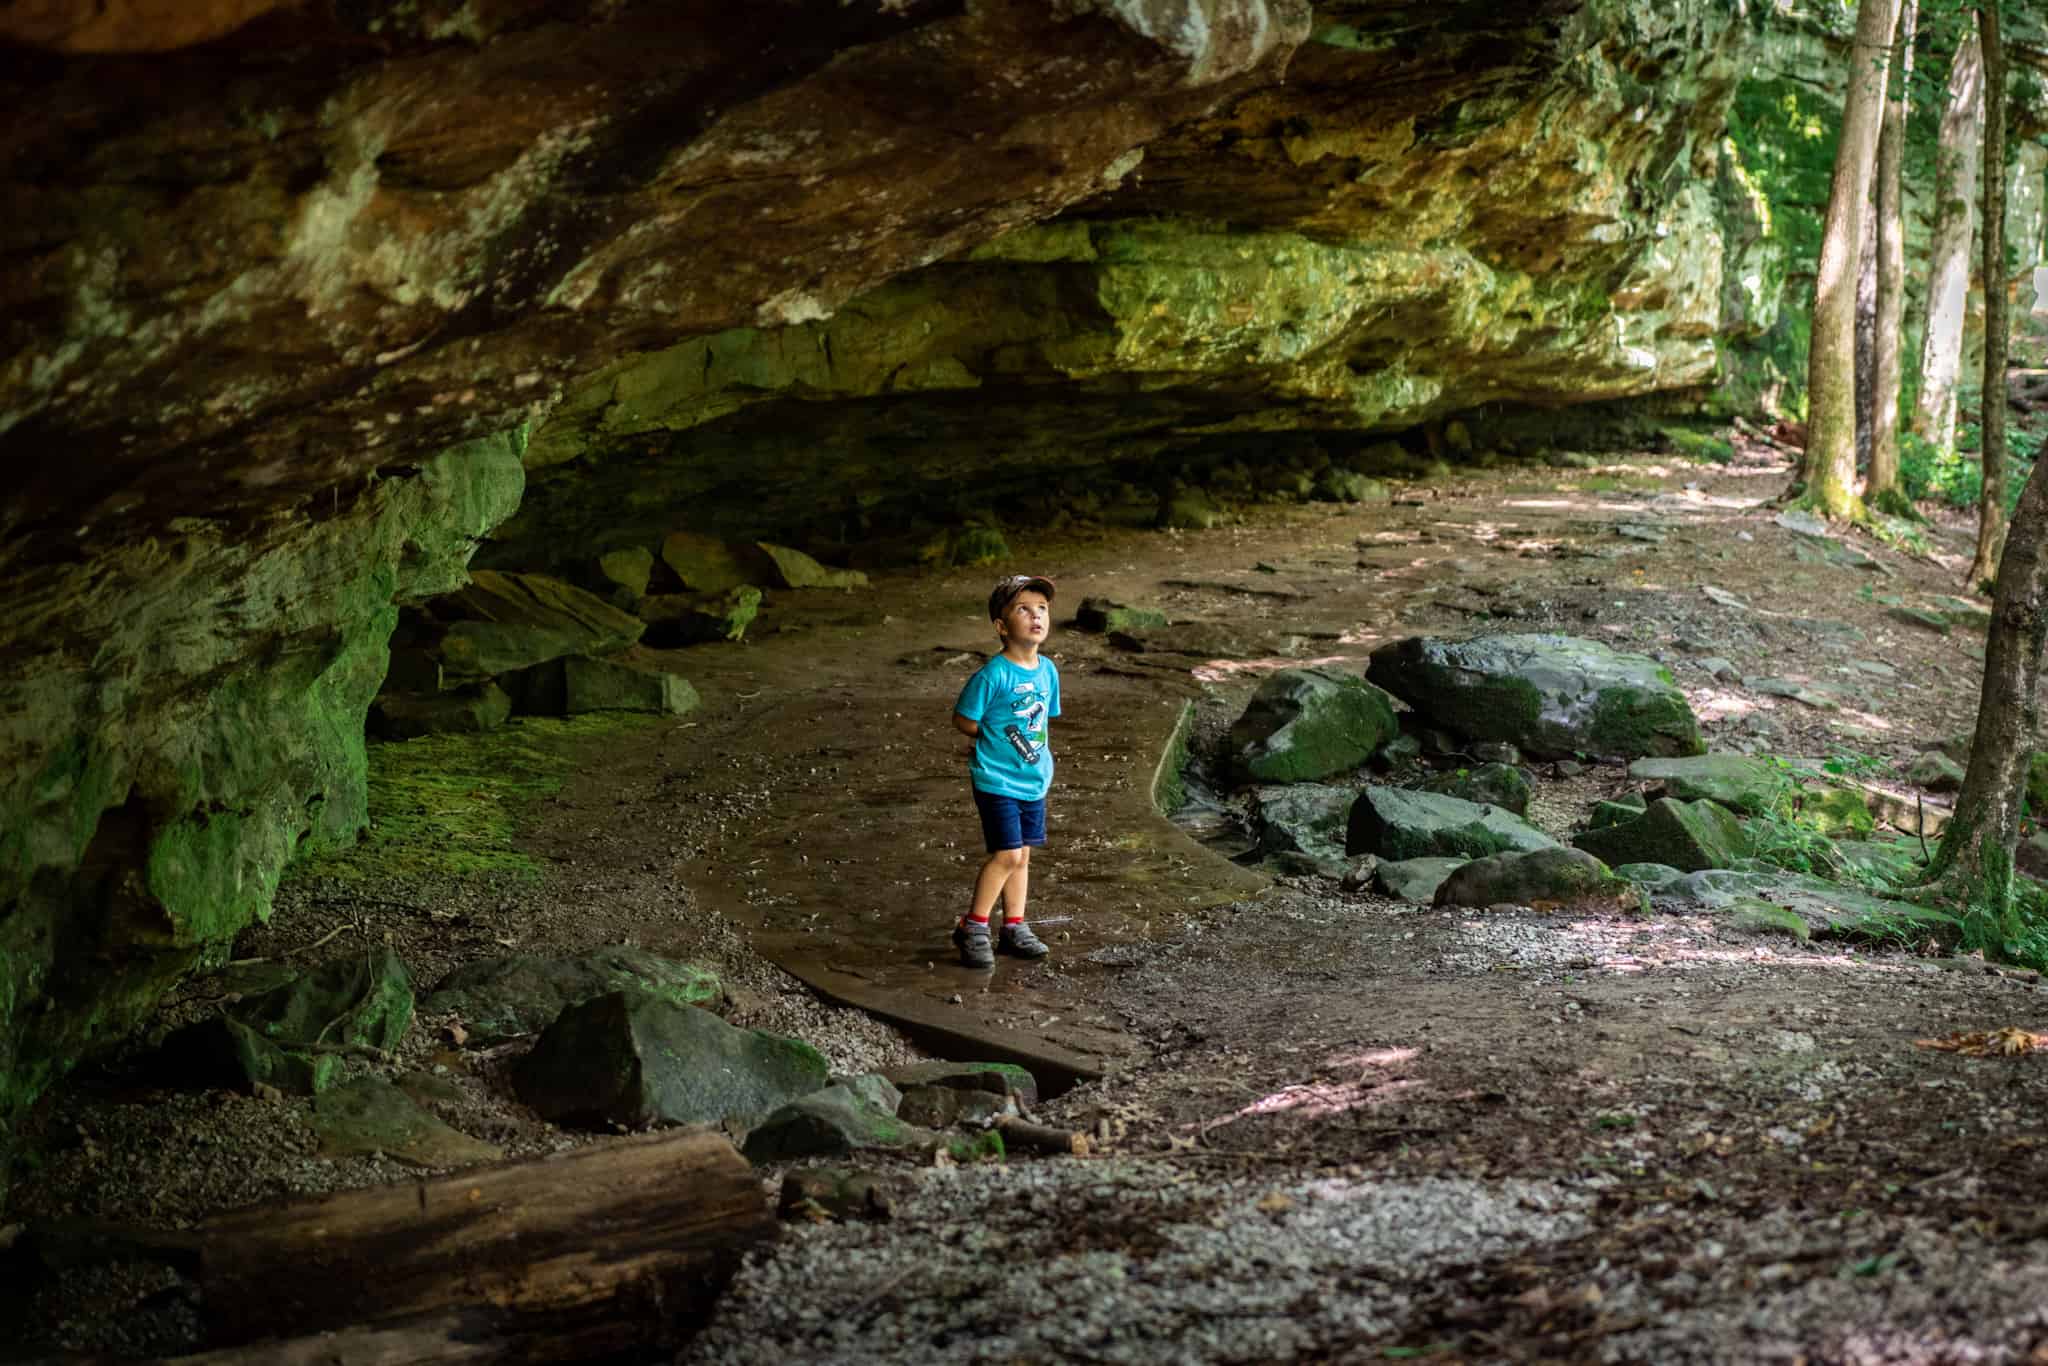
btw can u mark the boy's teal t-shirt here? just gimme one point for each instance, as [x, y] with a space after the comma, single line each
[1013, 754]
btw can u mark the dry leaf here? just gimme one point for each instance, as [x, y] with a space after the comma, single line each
[1988, 1043]
[457, 1034]
[1276, 1203]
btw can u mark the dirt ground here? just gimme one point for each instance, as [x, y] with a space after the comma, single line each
[1758, 1162]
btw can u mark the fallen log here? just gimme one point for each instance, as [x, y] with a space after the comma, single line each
[614, 1247]
[1022, 1133]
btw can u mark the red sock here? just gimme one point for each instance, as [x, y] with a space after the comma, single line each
[977, 919]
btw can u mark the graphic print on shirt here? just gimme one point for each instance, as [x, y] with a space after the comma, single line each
[1026, 733]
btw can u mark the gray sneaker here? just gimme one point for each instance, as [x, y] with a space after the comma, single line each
[972, 938]
[1018, 941]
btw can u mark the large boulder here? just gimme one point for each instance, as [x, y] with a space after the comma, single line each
[292, 1037]
[1685, 835]
[1547, 879]
[502, 622]
[509, 997]
[633, 1058]
[1302, 818]
[1306, 724]
[1736, 781]
[830, 1122]
[1396, 823]
[1552, 695]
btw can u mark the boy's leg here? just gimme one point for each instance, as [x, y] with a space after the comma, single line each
[992, 882]
[1017, 887]
[1017, 939]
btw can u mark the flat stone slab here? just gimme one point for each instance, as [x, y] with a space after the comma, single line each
[1398, 823]
[1302, 818]
[370, 1115]
[1736, 781]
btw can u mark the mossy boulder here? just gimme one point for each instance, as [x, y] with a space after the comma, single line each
[1685, 835]
[1502, 785]
[1553, 695]
[1547, 879]
[1106, 614]
[500, 622]
[998, 1078]
[787, 568]
[1937, 772]
[1306, 724]
[1301, 818]
[633, 1058]
[1620, 811]
[513, 996]
[706, 564]
[462, 711]
[1737, 781]
[629, 569]
[364, 1000]
[830, 1122]
[1398, 823]
[1837, 812]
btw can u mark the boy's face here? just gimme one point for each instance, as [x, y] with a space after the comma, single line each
[1028, 618]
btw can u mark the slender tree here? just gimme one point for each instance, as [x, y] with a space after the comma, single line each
[1948, 255]
[1881, 489]
[1973, 867]
[1829, 468]
[1991, 503]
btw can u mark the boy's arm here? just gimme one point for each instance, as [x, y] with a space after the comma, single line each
[971, 729]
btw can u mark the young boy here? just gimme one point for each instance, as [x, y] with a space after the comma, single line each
[1004, 708]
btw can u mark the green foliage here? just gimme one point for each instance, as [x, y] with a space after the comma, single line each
[2014, 933]
[1704, 447]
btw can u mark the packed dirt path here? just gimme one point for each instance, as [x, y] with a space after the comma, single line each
[857, 845]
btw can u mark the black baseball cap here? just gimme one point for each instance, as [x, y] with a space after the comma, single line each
[1006, 591]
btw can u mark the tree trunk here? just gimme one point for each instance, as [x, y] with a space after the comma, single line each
[1973, 868]
[601, 1250]
[1997, 329]
[1829, 469]
[1948, 254]
[1881, 490]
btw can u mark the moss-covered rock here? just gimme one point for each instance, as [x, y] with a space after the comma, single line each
[499, 623]
[1302, 818]
[1837, 812]
[830, 1122]
[1737, 781]
[1552, 695]
[1105, 615]
[1306, 724]
[152, 813]
[1502, 785]
[634, 1058]
[1546, 879]
[1397, 823]
[1685, 835]
[460, 711]
[496, 999]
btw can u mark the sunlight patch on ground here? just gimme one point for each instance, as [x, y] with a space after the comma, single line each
[1540, 503]
[1358, 636]
[1710, 705]
[1321, 1098]
[1216, 670]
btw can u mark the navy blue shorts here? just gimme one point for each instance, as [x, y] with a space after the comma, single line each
[1007, 823]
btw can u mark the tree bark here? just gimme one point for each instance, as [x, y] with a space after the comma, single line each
[1948, 255]
[1881, 489]
[601, 1250]
[1997, 329]
[1973, 867]
[1829, 469]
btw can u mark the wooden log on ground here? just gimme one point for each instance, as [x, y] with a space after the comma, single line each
[1043, 1138]
[614, 1247]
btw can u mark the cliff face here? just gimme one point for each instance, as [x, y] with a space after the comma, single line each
[1440, 208]
[288, 287]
